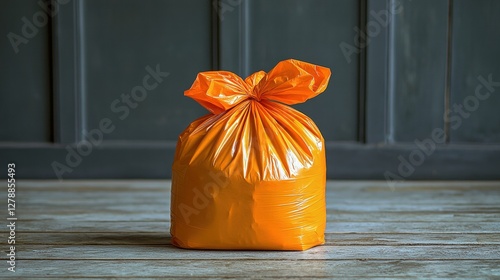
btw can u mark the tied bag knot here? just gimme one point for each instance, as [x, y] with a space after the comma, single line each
[290, 82]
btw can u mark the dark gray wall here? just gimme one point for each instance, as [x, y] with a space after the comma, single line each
[412, 79]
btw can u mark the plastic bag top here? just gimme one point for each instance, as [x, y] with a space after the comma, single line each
[290, 82]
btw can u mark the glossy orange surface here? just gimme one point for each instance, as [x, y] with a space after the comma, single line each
[251, 175]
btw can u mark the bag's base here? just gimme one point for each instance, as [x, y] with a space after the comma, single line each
[245, 247]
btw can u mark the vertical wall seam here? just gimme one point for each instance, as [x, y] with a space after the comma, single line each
[215, 35]
[245, 34]
[76, 71]
[79, 72]
[363, 14]
[391, 78]
[447, 91]
[55, 136]
[240, 39]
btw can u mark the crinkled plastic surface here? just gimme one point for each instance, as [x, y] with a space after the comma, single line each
[251, 175]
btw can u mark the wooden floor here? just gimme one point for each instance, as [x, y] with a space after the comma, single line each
[120, 229]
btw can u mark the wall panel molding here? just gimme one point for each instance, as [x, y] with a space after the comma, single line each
[344, 161]
[377, 78]
[66, 73]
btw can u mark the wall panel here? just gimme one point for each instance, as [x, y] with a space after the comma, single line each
[418, 59]
[311, 31]
[476, 58]
[121, 39]
[25, 73]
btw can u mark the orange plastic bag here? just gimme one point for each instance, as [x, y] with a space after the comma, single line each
[252, 174]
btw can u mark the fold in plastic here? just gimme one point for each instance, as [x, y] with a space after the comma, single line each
[251, 175]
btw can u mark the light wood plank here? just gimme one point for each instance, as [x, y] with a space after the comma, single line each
[162, 214]
[120, 203]
[165, 252]
[245, 269]
[459, 208]
[339, 227]
[446, 198]
[346, 205]
[338, 239]
[339, 195]
[145, 185]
